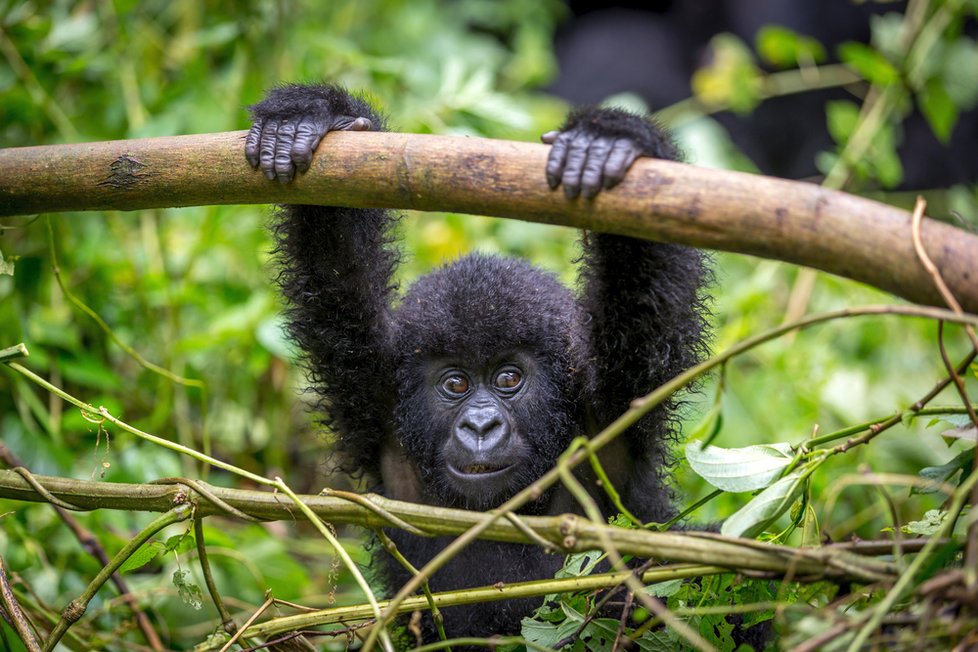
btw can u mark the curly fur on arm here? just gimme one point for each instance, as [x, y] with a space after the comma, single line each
[335, 270]
[647, 308]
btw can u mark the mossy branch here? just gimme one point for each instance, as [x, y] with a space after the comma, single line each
[792, 221]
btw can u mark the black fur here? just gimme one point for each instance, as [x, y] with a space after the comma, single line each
[375, 361]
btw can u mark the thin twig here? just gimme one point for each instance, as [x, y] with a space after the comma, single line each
[239, 635]
[365, 502]
[76, 608]
[436, 615]
[14, 615]
[227, 621]
[89, 543]
[971, 552]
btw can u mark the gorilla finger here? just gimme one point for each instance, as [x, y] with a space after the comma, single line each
[308, 133]
[623, 154]
[266, 149]
[549, 137]
[251, 144]
[361, 124]
[597, 155]
[284, 168]
[350, 123]
[574, 165]
[557, 158]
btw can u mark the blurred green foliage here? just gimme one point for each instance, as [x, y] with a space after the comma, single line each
[191, 289]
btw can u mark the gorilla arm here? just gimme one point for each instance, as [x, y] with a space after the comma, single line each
[643, 298]
[335, 267]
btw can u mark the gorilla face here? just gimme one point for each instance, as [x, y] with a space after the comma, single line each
[484, 445]
[483, 430]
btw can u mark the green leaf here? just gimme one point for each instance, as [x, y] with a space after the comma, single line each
[179, 543]
[785, 48]
[953, 420]
[664, 589]
[931, 523]
[739, 469]
[145, 554]
[965, 433]
[869, 63]
[841, 118]
[599, 635]
[189, 592]
[960, 72]
[754, 517]
[549, 634]
[579, 564]
[943, 473]
[939, 109]
[658, 640]
[731, 80]
[6, 266]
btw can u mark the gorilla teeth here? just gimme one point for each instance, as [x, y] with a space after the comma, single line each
[480, 468]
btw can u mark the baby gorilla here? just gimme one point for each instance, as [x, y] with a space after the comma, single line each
[468, 387]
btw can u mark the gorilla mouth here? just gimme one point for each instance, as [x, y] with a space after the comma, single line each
[481, 469]
[478, 471]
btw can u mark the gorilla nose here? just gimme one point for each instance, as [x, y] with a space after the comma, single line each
[482, 429]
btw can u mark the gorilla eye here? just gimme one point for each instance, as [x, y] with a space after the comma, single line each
[508, 379]
[455, 384]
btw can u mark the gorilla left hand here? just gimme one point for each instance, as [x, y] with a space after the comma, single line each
[284, 142]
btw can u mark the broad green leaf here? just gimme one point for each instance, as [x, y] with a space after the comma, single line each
[739, 469]
[754, 517]
[549, 634]
[931, 523]
[945, 472]
[939, 109]
[145, 554]
[664, 589]
[579, 564]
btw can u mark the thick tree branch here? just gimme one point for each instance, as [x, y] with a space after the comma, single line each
[568, 533]
[773, 218]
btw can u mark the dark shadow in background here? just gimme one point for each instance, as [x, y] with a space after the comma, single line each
[652, 49]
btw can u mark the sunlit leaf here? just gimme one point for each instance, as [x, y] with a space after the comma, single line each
[739, 469]
[967, 433]
[189, 592]
[6, 266]
[731, 79]
[929, 525]
[754, 517]
[869, 63]
[786, 48]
